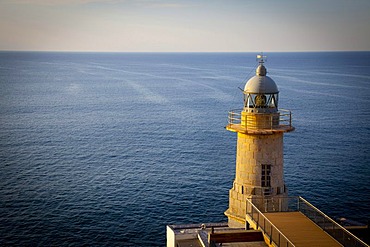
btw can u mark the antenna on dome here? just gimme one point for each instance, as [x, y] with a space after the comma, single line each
[261, 69]
[261, 58]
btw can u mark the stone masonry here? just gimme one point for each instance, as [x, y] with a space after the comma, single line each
[253, 151]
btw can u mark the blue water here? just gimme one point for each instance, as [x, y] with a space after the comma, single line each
[105, 149]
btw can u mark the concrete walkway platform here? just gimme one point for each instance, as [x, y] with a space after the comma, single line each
[300, 230]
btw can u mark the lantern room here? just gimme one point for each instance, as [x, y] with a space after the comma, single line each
[261, 94]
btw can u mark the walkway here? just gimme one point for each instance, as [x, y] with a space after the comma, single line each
[300, 230]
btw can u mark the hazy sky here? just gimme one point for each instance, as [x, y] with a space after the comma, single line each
[165, 25]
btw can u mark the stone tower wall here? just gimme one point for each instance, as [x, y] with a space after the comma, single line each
[253, 151]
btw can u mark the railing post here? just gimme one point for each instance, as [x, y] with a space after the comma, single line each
[252, 213]
[270, 234]
[271, 119]
[333, 229]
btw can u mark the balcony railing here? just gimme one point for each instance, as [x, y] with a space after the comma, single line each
[281, 119]
[291, 204]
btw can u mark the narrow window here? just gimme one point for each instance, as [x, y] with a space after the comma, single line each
[266, 176]
[272, 101]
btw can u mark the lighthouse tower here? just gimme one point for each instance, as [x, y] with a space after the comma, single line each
[260, 126]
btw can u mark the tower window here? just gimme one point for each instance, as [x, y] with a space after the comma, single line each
[266, 176]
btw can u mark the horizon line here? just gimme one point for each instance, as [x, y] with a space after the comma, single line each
[82, 51]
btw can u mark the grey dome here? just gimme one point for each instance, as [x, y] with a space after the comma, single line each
[260, 83]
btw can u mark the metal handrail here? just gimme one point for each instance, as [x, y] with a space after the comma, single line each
[235, 117]
[272, 226]
[347, 239]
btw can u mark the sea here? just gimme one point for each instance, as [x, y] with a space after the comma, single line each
[106, 149]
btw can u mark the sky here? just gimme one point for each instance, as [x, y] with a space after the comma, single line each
[185, 25]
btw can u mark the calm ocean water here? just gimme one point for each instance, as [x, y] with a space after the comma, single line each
[105, 149]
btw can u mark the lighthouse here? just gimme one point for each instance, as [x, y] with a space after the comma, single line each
[260, 126]
[260, 210]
